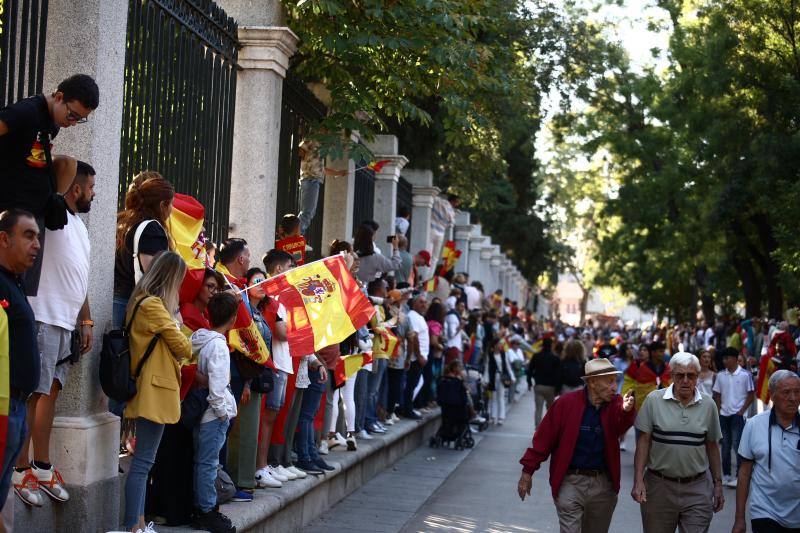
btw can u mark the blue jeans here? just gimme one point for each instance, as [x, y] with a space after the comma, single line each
[148, 437]
[208, 440]
[118, 308]
[15, 437]
[373, 386]
[732, 427]
[361, 394]
[306, 443]
[309, 194]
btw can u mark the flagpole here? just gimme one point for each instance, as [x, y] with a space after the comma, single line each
[239, 291]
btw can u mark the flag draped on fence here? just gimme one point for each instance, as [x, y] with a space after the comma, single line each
[324, 304]
[349, 365]
[449, 257]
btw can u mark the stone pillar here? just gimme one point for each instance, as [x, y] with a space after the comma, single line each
[385, 147]
[85, 436]
[337, 217]
[422, 203]
[461, 234]
[494, 267]
[476, 240]
[485, 266]
[263, 60]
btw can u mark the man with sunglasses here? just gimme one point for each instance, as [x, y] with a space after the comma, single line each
[678, 442]
[770, 470]
[26, 177]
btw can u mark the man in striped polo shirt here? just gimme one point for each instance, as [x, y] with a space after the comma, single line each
[679, 441]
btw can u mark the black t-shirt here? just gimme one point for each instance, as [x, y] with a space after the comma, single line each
[24, 177]
[606, 351]
[23, 352]
[153, 240]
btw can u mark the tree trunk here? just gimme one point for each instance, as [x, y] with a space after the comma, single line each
[706, 301]
[750, 285]
[769, 268]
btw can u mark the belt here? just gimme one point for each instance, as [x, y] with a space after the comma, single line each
[17, 394]
[586, 472]
[688, 479]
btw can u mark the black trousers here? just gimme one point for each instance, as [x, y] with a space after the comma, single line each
[412, 378]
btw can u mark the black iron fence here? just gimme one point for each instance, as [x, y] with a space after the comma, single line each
[405, 199]
[180, 91]
[23, 28]
[300, 109]
[364, 198]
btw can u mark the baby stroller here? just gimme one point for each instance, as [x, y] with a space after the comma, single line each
[479, 403]
[452, 397]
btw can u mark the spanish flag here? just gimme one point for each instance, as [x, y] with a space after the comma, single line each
[449, 257]
[5, 379]
[431, 285]
[244, 336]
[643, 379]
[772, 361]
[349, 365]
[385, 344]
[186, 228]
[323, 302]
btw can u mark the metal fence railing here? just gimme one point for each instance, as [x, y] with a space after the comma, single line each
[23, 29]
[179, 99]
[364, 198]
[405, 199]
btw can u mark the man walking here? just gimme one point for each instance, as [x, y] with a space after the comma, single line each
[19, 246]
[581, 434]
[62, 301]
[770, 469]
[418, 350]
[733, 393]
[678, 441]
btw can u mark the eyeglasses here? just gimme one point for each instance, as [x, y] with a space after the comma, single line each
[256, 281]
[681, 377]
[72, 116]
[212, 287]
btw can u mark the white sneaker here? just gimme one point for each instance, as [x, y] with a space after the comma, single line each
[622, 446]
[147, 529]
[296, 471]
[288, 474]
[351, 443]
[51, 482]
[277, 475]
[388, 422]
[26, 486]
[394, 418]
[323, 447]
[364, 435]
[478, 419]
[339, 440]
[381, 426]
[264, 479]
[732, 482]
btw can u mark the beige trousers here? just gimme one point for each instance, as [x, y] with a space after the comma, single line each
[585, 504]
[543, 395]
[686, 506]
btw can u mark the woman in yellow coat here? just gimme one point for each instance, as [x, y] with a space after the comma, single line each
[157, 400]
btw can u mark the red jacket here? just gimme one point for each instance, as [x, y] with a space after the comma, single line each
[558, 435]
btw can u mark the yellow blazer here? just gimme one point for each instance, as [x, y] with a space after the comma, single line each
[158, 386]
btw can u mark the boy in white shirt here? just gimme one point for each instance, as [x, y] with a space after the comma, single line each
[210, 433]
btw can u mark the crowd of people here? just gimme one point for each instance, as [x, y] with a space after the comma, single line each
[207, 424]
[690, 393]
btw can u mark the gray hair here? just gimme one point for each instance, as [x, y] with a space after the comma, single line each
[777, 377]
[685, 360]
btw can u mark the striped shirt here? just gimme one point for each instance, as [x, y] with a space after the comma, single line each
[678, 433]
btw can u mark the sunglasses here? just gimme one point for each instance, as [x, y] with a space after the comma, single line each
[681, 377]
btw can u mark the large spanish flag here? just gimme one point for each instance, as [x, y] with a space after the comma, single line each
[449, 257]
[642, 378]
[5, 384]
[324, 304]
[349, 365]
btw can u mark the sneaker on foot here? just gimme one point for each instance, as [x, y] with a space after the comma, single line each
[387, 423]
[288, 474]
[412, 415]
[622, 447]
[364, 435]
[26, 486]
[351, 442]
[339, 440]
[732, 482]
[376, 429]
[242, 496]
[276, 474]
[264, 479]
[213, 521]
[394, 418]
[320, 462]
[309, 468]
[296, 471]
[323, 447]
[51, 482]
[478, 419]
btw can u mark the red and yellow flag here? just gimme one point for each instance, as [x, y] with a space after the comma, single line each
[324, 304]
[385, 344]
[244, 336]
[781, 347]
[349, 365]
[449, 257]
[431, 285]
[5, 379]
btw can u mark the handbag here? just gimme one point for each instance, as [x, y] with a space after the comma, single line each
[247, 368]
[264, 383]
[55, 209]
[193, 407]
[115, 361]
[224, 485]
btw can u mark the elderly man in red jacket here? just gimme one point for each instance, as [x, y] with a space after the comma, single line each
[580, 434]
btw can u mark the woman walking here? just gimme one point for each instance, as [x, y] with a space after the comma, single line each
[153, 318]
[573, 358]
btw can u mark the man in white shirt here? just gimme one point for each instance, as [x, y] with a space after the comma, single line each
[452, 333]
[733, 392]
[61, 302]
[418, 349]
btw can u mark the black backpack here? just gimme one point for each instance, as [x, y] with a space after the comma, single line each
[115, 361]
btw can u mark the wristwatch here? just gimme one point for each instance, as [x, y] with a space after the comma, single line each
[89, 323]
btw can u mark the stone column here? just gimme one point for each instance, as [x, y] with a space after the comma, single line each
[337, 217]
[422, 203]
[85, 437]
[461, 234]
[486, 273]
[476, 240]
[263, 59]
[385, 147]
[494, 266]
